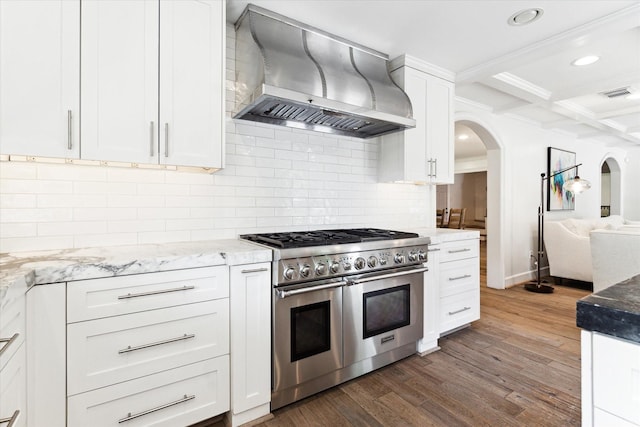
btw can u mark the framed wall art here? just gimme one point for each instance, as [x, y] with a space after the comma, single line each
[557, 198]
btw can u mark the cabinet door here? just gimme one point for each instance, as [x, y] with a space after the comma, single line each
[119, 88]
[39, 77]
[13, 386]
[440, 130]
[192, 52]
[176, 397]
[431, 323]
[250, 336]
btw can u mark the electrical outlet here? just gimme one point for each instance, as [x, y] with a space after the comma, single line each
[530, 254]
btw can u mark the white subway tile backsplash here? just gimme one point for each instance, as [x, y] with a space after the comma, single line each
[17, 201]
[71, 228]
[275, 179]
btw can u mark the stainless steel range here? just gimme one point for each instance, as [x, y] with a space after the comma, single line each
[345, 302]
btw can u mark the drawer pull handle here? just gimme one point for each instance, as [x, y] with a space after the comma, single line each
[460, 250]
[12, 419]
[255, 270]
[69, 131]
[8, 342]
[464, 276]
[433, 250]
[164, 291]
[451, 313]
[131, 416]
[153, 344]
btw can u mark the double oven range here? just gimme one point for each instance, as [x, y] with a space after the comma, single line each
[344, 303]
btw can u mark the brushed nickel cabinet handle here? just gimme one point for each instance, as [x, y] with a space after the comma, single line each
[451, 313]
[151, 139]
[459, 250]
[69, 131]
[131, 416]
[166, 139]
[435, 173]
[255, 270]
[129, 349]
[8, 342]
[163, 291]
[433, 250]
[466, 276]
[12, 419]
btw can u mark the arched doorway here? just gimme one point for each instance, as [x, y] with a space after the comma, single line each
[495, 192]
[610, 184]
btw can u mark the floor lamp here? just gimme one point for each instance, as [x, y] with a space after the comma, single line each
[574, 185]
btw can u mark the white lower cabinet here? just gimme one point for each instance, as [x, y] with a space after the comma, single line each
[459, 280]
[611, 381]
[146, 349]
[175, 397]
[250, 342]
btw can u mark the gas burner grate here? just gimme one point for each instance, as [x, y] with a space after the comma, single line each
[300, 239]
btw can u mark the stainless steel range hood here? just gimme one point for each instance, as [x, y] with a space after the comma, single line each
[294, 75]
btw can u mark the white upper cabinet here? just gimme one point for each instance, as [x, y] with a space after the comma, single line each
[153, 81]
[120, 80]
[192, 52]
[424, 154]
[39, 77]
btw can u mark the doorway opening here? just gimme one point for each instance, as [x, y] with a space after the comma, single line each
[610, 182]
[491, 164]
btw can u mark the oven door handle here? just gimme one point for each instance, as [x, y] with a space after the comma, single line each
[284, 294]
[386, 276]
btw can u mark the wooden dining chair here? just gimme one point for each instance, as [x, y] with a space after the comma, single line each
[456, 218]
[439, 217]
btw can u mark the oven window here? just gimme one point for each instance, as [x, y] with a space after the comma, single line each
[385, 310]
[310, 330]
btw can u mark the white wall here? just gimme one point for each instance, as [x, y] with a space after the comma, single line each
[275, 179]
[524, 150]
[630, 180]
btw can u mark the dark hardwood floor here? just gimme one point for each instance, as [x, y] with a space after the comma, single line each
[519, 365]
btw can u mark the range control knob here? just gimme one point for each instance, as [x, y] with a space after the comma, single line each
[372, 262]
[346, 266]
[399, 258]
[413, 257]
[334, 267]
[422, 255]
[289, 273]
[359, 263]
[305, 270]
[383, 261]
[321, 269]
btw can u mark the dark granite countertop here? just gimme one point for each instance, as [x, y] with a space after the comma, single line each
[613, 311]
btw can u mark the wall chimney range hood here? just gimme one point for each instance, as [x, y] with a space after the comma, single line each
[294, 75]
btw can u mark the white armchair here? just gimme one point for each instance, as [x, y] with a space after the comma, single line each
[615, 255]
[568, 246]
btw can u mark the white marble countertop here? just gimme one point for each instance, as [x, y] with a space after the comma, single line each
[37, 268]
[441, 235]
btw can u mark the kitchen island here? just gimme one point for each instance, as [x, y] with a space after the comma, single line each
[610, 322]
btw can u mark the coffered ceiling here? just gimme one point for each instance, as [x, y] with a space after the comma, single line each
[524, 70]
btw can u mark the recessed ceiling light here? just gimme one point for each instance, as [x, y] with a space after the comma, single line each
[524, 17]
[463, 136]
[585, 60]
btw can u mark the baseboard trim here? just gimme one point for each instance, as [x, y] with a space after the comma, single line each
[520, 278]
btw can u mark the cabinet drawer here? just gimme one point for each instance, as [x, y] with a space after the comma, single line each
[459, 276]
[12, 322]
[107, 351]
[177, 397]
[460, 309]
[462, 249]
[112, 296]
[616, 377]
[13, 382]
